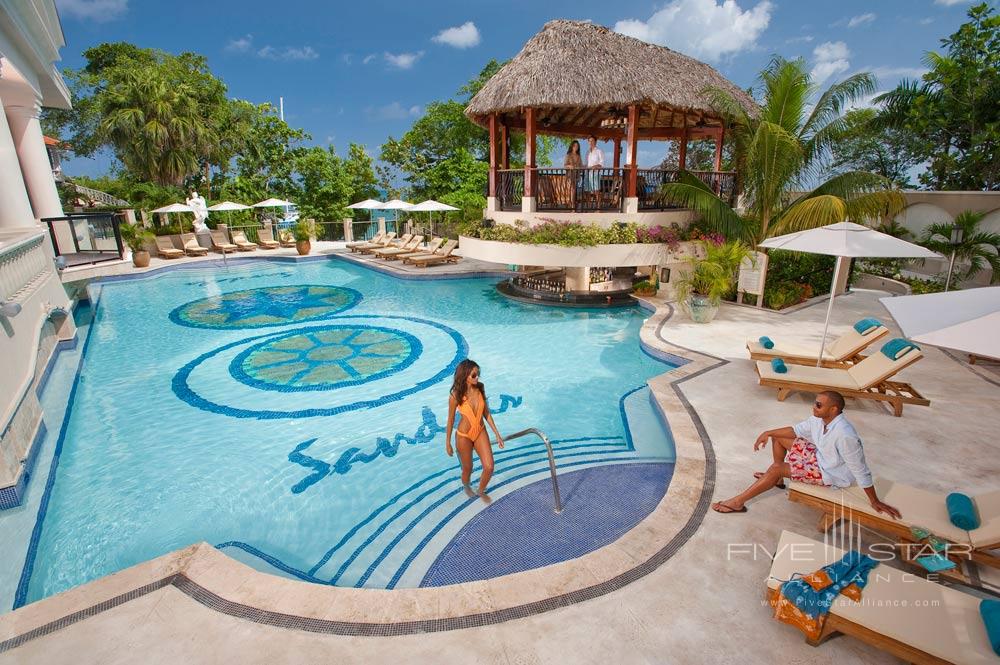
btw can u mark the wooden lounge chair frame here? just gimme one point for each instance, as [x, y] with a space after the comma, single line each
[286, 238]
[223, 246]
[242, 243]
[265, 238]
[376, 238]
[835, 624]
[192, 251]
[388, 243]
[446, 249]
[390, 252]
[832, 513]
[437, 257]
[432, 246]
[895, 393]
[841, 362]
[167, 252]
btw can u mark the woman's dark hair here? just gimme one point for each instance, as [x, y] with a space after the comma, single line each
[459, 385]
[569, 149]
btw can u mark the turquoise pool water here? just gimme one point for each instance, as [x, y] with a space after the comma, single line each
[293, 414]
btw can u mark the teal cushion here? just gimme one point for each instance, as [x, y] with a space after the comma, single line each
[778, 365]
[962, 511]
[990, 611]
[766, 342]
[897, 348]
[864, 326]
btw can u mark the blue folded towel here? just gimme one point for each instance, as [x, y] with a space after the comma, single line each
[990, 611]
[962, 511]
[895, 349]
[778, 365]
[766, 342]
[865, 326]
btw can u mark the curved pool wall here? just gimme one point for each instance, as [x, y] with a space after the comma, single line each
[289, 480]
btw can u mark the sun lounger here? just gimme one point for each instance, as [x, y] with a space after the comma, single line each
[265, 238]
[390, 252]
[442, 255]
[220, 244]
[431, 247]
[165, 248]
[191, 246]
[844, 350]
[389, 242]
[378, 238]
[384, 242]
[869, 379]
[244, 245]
[899, 613]
[286, 238]
[920, 508]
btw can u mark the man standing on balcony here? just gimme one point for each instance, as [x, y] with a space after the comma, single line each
[595, 162]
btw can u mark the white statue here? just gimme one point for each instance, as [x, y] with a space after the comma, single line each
[200, 207]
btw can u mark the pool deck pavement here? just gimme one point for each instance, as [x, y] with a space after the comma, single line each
[699, 605]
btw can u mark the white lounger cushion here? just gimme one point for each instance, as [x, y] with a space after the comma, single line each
[821, 376]
[988, 507]
[845, 346]
[928, 616]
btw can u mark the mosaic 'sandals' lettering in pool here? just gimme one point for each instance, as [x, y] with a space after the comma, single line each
[294, 417]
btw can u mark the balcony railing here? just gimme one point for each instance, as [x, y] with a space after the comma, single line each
[23, 265]
[649, 182]
[510, 189]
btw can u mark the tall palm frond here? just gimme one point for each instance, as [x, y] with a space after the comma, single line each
[979, 249]
[689, 191]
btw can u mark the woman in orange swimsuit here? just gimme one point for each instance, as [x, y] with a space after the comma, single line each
[468, 397]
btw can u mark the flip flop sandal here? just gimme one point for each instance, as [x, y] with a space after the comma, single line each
[727, 510]
[780, 485]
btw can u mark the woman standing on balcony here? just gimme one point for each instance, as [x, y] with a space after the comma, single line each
[574, 172]
[573, 159]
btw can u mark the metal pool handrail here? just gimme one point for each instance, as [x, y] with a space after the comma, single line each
[552, 461]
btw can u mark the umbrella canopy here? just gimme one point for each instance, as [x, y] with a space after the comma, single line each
[367, 204]
[175, 207]
[396, 204]
[846, 240]
[850, 240]
[228, 205]
[272, 203]
[967, 321]
[430, 205]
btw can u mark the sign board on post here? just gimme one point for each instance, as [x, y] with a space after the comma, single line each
[751, 277]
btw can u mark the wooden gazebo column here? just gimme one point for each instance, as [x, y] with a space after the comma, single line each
[718, 148]
[682, 150]
[504, 146]
[618, 154]
[493, 155]
[633, 152]
[528, 201]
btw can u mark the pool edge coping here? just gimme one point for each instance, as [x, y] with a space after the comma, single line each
[224, 584]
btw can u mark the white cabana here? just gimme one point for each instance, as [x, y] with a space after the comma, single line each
[846, 240]
[175, 207]
[967, 321]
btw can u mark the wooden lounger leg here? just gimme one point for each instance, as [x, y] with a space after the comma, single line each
[897, 407]
[826, 522]
[826, 633]
[783, 393]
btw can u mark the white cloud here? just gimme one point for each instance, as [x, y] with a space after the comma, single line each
[402, 60]
[460, 36]
[93, 10]
[949, 3]
[396, 111]
[702, 28]
[797, 40]
[926, 21]
[240, 44]
[861, 20]
[831, 59]
[288, 53]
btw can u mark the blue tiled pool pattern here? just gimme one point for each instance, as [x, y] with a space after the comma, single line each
[520, 531]
[294, 417]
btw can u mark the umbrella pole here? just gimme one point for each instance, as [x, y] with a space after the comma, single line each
[829, 310]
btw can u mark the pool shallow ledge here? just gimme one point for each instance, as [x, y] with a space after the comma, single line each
[223, 584]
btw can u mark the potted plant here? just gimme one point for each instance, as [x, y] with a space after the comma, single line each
[136, 238]
[710, 278]
[644, 288]
[304, 231]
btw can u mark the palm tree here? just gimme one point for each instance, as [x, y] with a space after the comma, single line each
[156, 127]
[978, 248]
[780, 148]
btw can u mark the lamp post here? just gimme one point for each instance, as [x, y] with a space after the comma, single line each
[957, 234]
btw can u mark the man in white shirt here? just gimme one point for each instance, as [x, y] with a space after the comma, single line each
[595, 162]
[822, 450]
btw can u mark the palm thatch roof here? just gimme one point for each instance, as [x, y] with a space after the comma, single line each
[578, 73]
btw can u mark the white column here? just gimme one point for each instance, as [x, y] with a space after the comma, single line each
[15, 208]
[34, 158]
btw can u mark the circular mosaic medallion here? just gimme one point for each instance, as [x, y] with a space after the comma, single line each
[326, 358]
[266, 306]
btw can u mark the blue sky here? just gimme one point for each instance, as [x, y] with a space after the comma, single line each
[362, 71]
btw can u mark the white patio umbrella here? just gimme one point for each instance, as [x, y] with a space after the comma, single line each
[430, 206]
[396, 204]
[367, 204]
[967, 321]
[228, 207]
[175, 207]
[272, 203]
[846, 240]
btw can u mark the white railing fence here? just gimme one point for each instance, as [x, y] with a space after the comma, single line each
[23, 265]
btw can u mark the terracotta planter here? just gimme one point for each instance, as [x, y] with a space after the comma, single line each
[701, 309]
[303, 247]
[140, 259]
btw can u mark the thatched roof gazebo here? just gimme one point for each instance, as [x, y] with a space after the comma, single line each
[579, 79]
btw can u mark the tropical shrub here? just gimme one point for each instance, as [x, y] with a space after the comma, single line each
[714, 275]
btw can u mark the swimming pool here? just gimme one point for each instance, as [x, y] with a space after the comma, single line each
[292, 414]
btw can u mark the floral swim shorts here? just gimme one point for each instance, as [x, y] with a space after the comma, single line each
[802, 460]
